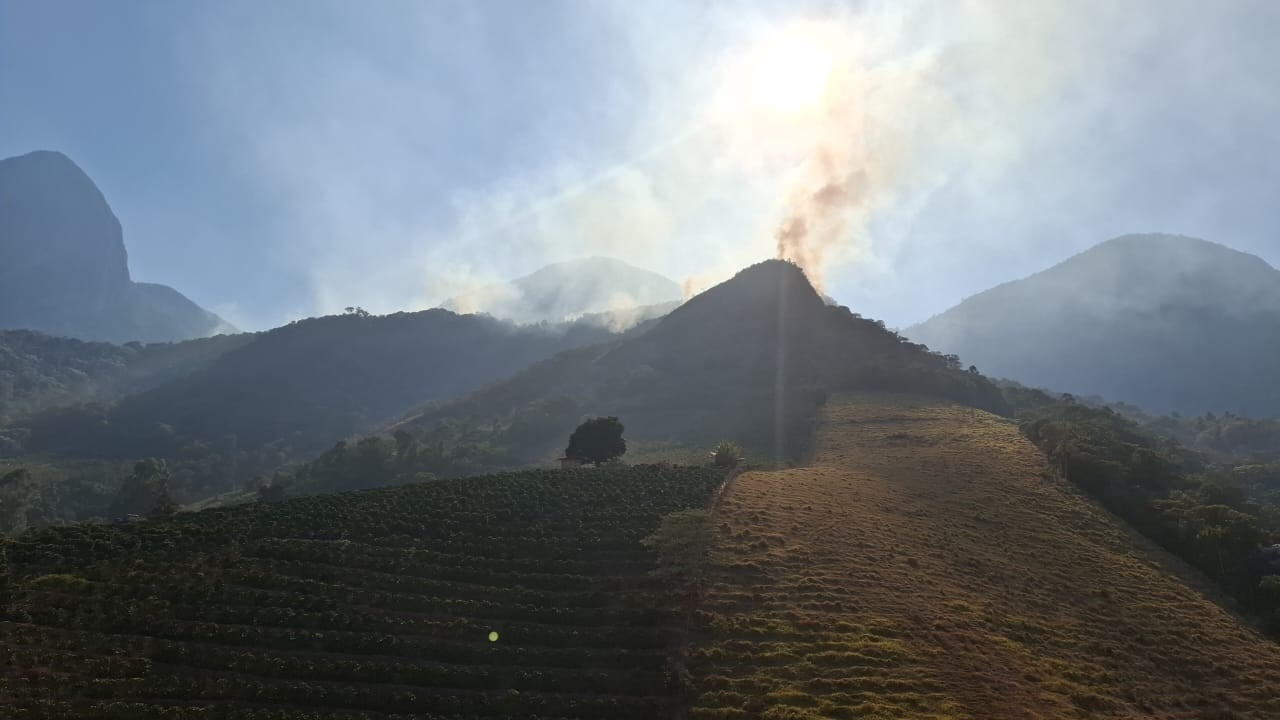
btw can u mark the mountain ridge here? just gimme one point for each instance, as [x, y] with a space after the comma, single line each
[288, 393]
[64, 266]
[748, 360]
[1166, 322]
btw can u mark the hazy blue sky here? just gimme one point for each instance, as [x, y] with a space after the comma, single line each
[286, 158]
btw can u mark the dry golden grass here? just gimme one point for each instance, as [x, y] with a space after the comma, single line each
[928, 566]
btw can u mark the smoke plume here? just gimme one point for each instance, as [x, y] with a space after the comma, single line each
[820, 220]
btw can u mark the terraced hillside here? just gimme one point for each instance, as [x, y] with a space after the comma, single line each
[927, 566]
[509, 596]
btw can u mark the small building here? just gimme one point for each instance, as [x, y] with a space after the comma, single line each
[568, 463]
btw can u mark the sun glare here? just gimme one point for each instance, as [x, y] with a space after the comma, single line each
[793, 70]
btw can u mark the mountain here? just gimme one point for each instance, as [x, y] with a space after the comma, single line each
[296, 390]
[1165, 322]
[567, 290]
[747, 360]
[63, 265]
[39, 372]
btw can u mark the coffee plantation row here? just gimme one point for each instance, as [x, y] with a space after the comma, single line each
[518, 595]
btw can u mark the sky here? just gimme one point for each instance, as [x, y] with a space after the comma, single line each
[283, 159]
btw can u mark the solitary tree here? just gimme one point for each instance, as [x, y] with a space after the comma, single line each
[597, 440]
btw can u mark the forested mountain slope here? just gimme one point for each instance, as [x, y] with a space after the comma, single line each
[304, 386]
[39, 371]
[1166, 322]
[747, 360]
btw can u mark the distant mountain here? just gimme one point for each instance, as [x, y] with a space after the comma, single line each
[1165, 322]
[63, 266]
[567, 290]
[748, 360]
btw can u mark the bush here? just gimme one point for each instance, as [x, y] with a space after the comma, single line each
[727, 454]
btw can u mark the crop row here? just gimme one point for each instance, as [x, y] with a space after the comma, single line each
[558, 500]
[520, 595]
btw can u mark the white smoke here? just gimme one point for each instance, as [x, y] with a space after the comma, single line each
[958, 144]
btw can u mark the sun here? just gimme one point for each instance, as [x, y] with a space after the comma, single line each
[785, 88]
[793, 69]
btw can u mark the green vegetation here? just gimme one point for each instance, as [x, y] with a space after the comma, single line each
[750, 360]
[682, 543]
[1227, 439]
[237, 426]
[299, 388]
[1215, 518]
[35, 494]
[224, 411]
[39, 372]
[597, 441]
[357, 605]
[449, 450]
[727, 454]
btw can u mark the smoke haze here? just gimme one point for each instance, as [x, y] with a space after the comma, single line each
[393, 155]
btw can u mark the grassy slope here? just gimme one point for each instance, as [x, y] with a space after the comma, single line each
[927, 566]
[357, 606]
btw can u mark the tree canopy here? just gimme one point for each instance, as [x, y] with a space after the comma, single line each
[597, 440]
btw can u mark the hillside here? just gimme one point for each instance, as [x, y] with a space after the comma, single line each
[296, 390]
[928, 565]
[63, 265]
[1165, 322]
[514, 596]
[748, 360]
[568, 290]
[39, 372]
